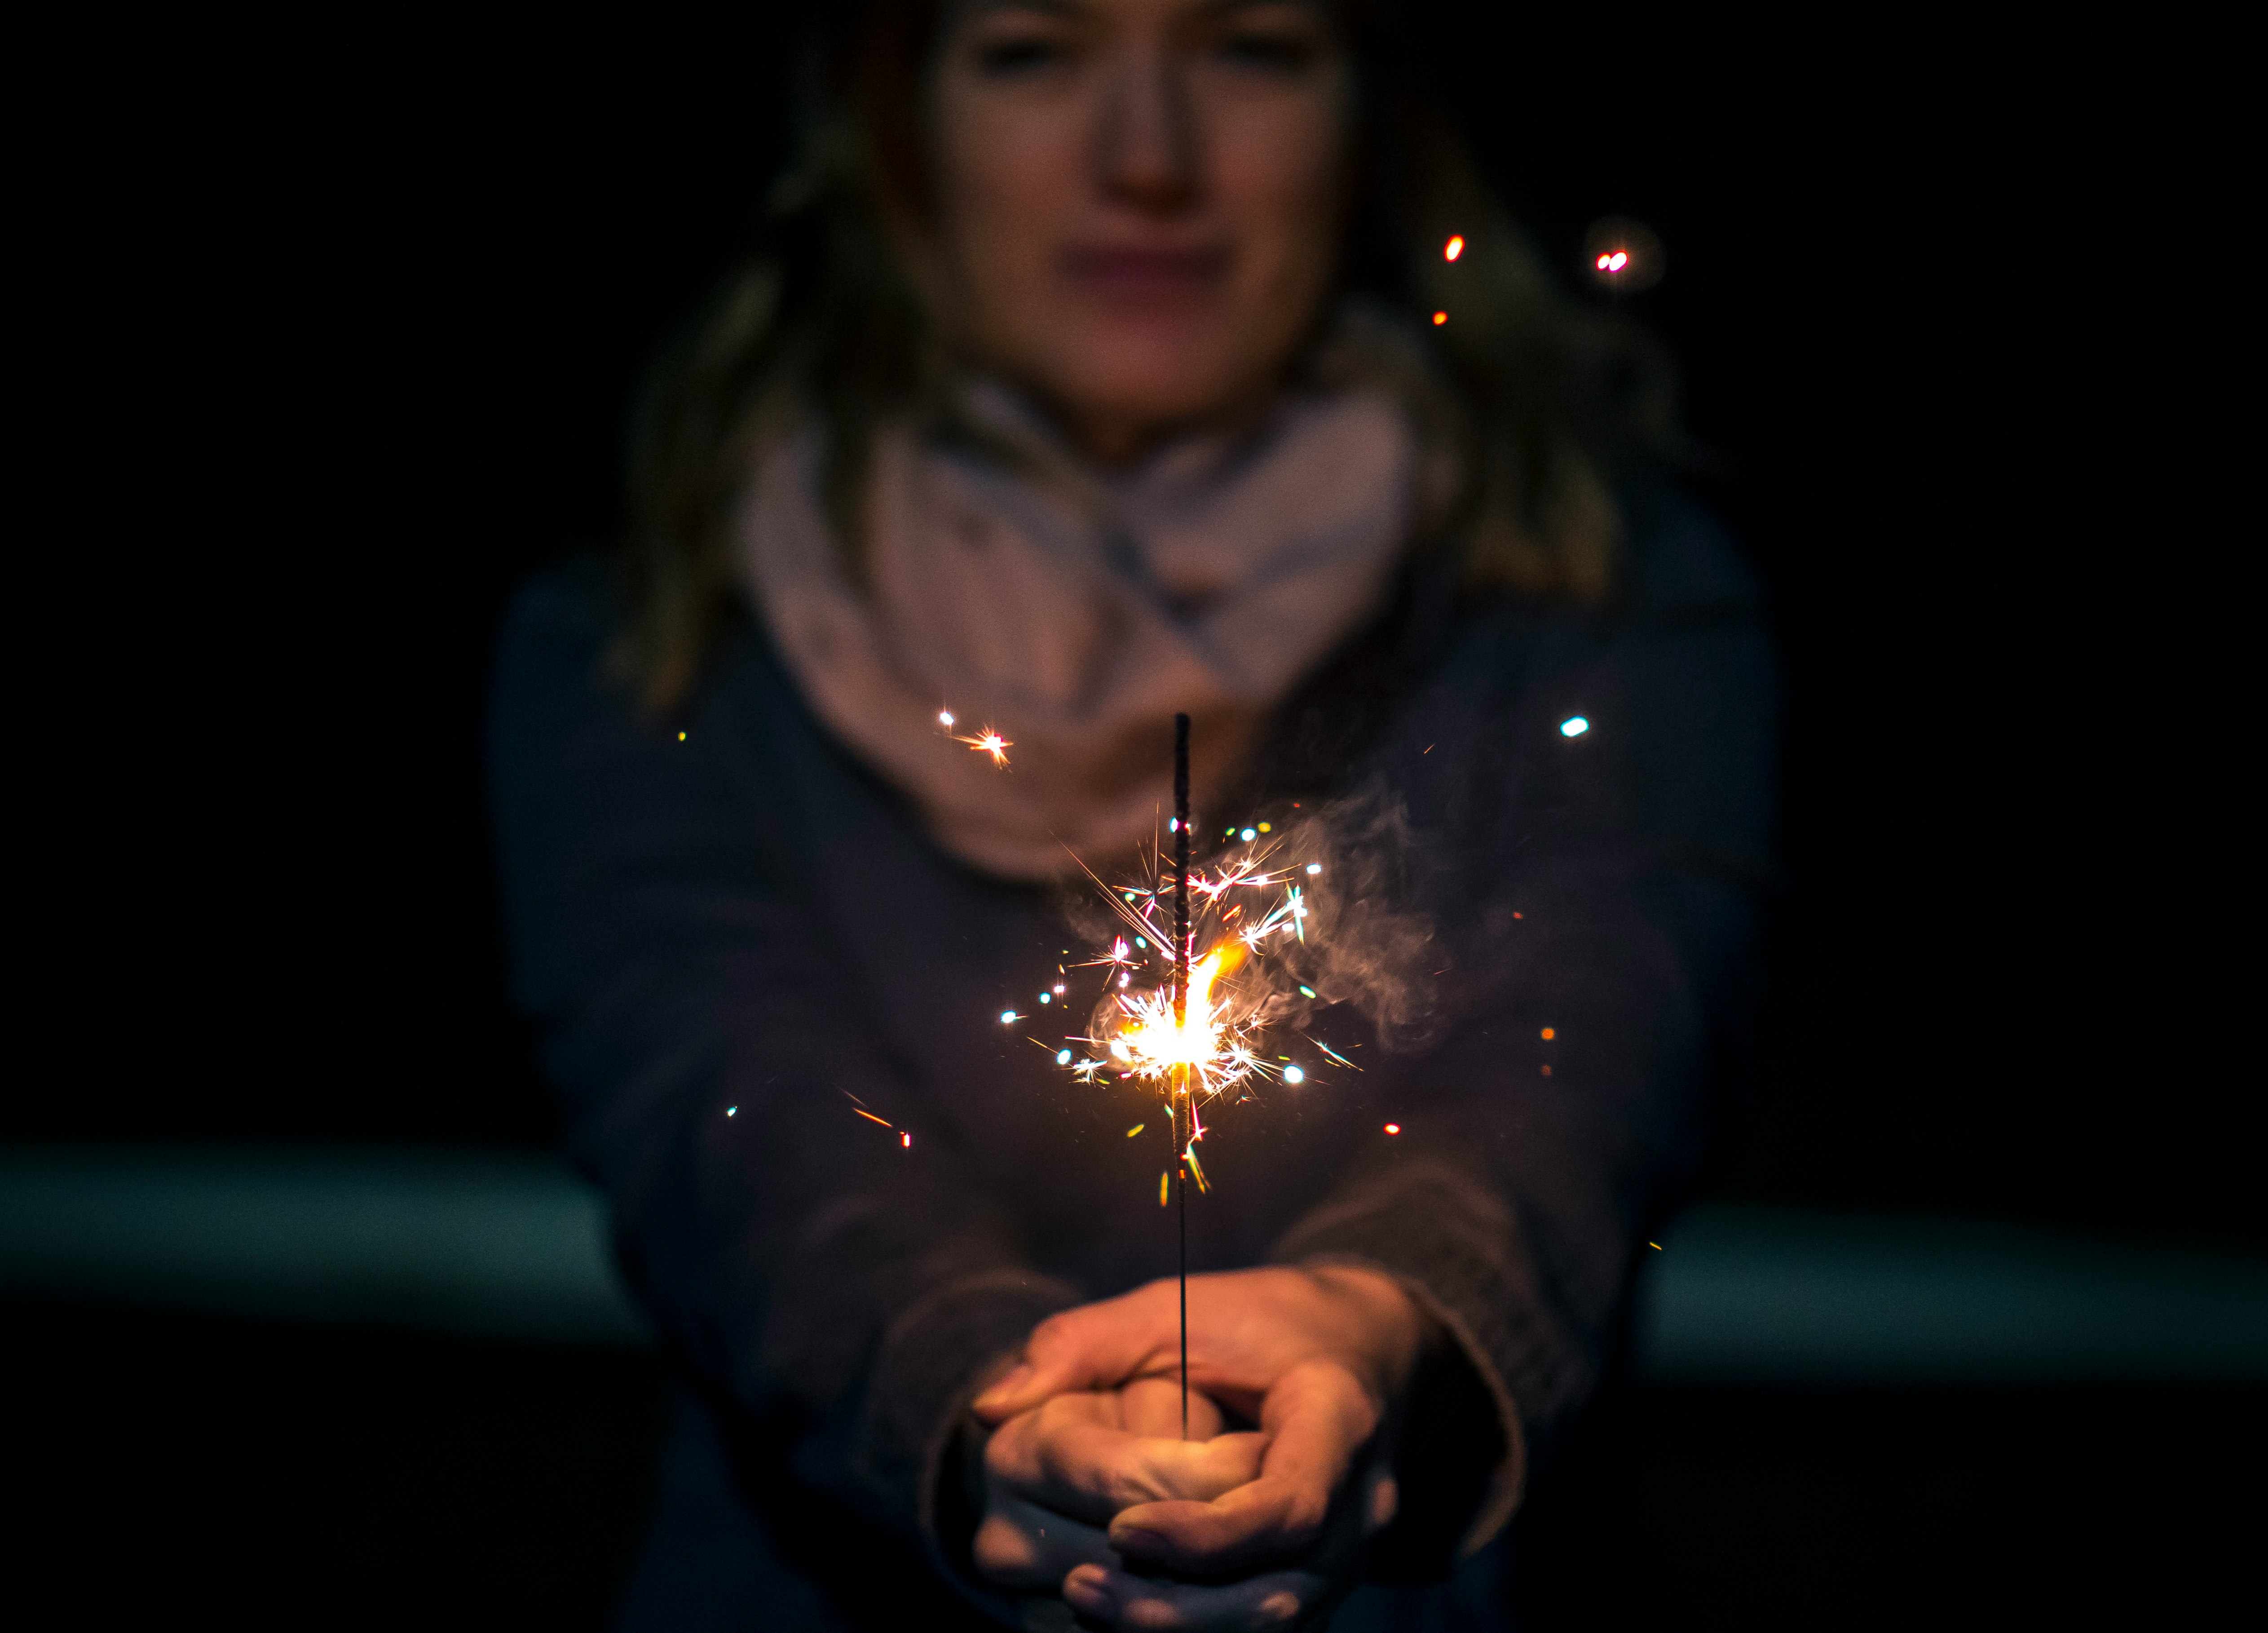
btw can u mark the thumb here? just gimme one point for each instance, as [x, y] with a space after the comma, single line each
[1093, 1347]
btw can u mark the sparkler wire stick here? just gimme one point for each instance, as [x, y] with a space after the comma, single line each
[1181, 1011]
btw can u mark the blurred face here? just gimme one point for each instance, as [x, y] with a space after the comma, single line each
[1138, 199]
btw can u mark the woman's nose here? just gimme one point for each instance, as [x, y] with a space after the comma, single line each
[1146, 144]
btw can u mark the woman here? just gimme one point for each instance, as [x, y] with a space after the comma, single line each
[1110, 359]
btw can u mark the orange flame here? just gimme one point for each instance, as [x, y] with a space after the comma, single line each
[1153, 1045]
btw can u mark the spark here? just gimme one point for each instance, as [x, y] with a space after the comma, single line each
[986, 741]
[1335, 1055]
[992, 742]
[1573, 726]
[1393, 1128]
[871, 1118]
[1152, 1046]
[1455, 247]
[1250, 908]
[1244, 909]
[1614, 260]
[1008, 1017]
[1549, 1032]
[907, 1141]
[1440, 318]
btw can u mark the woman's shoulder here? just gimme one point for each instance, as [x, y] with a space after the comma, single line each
[560, 676]
[564, 613]
[1681, 562]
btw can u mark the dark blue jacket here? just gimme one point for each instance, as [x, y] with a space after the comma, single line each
[726, 927]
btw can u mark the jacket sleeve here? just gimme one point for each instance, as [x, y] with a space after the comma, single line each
[836, 1278]
[1597, 930]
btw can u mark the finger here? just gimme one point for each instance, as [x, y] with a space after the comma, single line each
[1023, 1546]
[1315, 1421]
[1064, 1457]
[1096, 1346]
[1280, 1600]
[1153, 1406]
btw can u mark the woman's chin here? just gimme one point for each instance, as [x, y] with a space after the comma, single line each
[1151, 380]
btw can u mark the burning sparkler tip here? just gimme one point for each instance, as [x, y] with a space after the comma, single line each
[1393, 1128]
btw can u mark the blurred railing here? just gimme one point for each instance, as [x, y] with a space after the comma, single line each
[513, 1246]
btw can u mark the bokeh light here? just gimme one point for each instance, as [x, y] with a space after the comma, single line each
[1623, 255]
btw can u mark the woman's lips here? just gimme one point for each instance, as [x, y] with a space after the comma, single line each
[1146, 271]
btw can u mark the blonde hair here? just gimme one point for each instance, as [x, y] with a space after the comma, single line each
[1541, 400]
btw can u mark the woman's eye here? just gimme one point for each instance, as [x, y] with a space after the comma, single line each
[1018, 54]
[1284, 53]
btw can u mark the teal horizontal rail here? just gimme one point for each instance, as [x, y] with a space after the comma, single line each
[504, 1245]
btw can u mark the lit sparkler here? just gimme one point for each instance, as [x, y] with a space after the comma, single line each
[1186, 998]
[1185, 1010]
[1184, 1005]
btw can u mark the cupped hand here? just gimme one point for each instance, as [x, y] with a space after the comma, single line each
[1056, 1474]
[1321, 1358]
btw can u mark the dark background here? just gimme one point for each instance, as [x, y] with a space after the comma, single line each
[344, 351]
[329, 336]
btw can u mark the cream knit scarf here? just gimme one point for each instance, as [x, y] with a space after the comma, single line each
[1014, 586]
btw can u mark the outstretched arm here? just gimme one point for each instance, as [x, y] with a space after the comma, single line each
[840, 1282]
